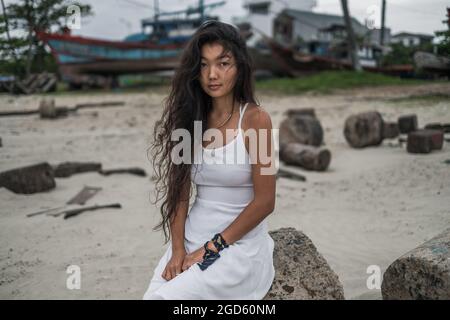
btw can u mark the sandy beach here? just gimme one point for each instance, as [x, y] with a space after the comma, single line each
[370, 207]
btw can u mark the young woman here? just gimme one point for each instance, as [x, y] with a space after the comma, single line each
[221, 249]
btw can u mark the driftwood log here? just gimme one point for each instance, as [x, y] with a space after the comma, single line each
[48, 110]
[422, 273]
[424, 141]
[407, 123]
[308, 157]
[301, 272]
[74, 212]
[364, 129]
[66, 169]
[444, 127]
[28, 180]
[136, 171]
[301, 129]
[283, 173]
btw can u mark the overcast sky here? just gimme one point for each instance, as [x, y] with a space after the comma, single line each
[114, 19]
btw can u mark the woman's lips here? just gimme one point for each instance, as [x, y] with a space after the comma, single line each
[214, 87]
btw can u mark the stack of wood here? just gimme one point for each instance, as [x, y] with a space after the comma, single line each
[301, 136]
[34, 83]
[368, 129]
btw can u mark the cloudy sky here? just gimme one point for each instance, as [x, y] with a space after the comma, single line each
[114, 19]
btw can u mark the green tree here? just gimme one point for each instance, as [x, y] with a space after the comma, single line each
[21, 52]
[443, 48]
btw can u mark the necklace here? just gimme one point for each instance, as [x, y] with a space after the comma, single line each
[226, 120]
[221, 125]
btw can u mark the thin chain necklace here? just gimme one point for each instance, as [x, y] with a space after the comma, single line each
[226, 120]
[229, 117]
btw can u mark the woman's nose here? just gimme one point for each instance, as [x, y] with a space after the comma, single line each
[212, 73]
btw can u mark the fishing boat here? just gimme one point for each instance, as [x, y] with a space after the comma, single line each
[84, 61]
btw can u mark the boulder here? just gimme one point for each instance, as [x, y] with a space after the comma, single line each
[422, 273]
[29, 179]
[301, 273]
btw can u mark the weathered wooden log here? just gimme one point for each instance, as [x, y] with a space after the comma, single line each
[17, 113]
[422, 273]
[308, 157]
[390, 130]
[66, 169]
[48, 110]
[136, 171]
[290, 175]
[434, 126]
[301, 129]
[301, 272]
[74, 212]
[28, 180]
[364, 129]
[407, 123]
[301, 112]
[444, 127]
[424, 141]
[100, 104]
[46, 211]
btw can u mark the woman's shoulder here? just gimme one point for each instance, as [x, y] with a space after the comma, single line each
[256, 117]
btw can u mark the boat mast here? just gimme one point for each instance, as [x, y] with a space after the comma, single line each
[156, 9]
[201, 8]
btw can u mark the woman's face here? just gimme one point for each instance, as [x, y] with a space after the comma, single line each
[218, 70]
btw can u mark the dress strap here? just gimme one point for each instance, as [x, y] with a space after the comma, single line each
[241, 114]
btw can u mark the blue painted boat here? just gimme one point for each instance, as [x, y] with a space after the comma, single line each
[81, 58]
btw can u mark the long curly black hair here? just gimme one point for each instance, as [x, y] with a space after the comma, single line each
[186, 103]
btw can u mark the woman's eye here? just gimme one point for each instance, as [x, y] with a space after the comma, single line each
[202, 64]
[224, 64]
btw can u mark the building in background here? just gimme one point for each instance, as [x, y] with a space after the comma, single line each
[412, 39]
[261, 13]
[325, 35]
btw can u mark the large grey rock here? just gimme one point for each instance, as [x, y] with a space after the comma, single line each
[301, 273]
[29, 179]
[422, 273]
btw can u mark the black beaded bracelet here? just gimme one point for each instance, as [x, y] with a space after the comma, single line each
[208, 257]
[219, 242]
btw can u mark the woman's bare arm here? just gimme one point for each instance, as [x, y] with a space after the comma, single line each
[263, 176]
[178, 221]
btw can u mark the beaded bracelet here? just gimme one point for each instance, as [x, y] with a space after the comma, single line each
[210, 256]
[219, 242]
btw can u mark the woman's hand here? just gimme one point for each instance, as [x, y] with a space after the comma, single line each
[196, 256]
[173, 267]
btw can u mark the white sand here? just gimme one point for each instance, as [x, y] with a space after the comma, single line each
[370, 207]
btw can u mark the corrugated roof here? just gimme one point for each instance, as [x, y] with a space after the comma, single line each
[321, 20]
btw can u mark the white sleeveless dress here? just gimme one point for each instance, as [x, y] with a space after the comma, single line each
[245, 269]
